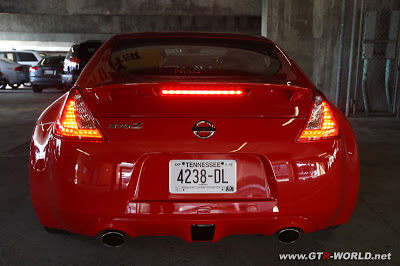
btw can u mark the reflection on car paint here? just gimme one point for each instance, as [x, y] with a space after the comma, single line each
[305, 169]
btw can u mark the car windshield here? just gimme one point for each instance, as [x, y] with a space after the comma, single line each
[57, 60]
[194, 56]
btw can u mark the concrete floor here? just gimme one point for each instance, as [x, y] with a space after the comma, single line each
[375, 226]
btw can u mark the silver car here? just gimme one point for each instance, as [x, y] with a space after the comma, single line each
[14, 74]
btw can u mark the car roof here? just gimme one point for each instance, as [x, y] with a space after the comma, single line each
[226, 35]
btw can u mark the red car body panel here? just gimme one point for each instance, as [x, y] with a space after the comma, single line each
[121, 183]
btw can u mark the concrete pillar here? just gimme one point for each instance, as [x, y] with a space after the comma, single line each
[264, 18]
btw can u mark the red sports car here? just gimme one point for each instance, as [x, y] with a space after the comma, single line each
[195, 135]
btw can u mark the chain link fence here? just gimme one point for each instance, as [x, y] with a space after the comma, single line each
[373, 32]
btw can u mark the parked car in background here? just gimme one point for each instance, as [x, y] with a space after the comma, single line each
[14, 74]
[47, 73]
[26, 58]
[196, 135]
[76, 59]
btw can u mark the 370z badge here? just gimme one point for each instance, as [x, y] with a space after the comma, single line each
[127, 126]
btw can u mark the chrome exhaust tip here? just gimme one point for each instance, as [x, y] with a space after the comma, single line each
[113, 239]
[288, 235]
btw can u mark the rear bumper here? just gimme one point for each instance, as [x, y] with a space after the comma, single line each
[21, 78]
[45, 81]
[256, 221]
[166, 218]
[68, 79]
[311, 204]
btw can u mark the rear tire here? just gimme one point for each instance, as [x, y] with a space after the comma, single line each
[3, 84]
[36, 89]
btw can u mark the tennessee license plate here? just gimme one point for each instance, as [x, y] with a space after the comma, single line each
[202, 176]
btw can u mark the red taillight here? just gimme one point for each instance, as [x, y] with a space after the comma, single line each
[33, 69]
[76, 121]
[199, 90]
[75, 60]
[321, 124]
[19, 68]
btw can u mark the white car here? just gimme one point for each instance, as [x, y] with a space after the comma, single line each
[14, 74]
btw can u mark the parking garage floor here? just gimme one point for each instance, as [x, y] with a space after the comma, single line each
[375, 226]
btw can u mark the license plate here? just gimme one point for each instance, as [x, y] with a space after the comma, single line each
[49, 72]
[202, 176]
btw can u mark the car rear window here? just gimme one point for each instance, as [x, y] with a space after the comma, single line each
[52, 61]
[86, 51]
[83, 51]
[24, 57]
[194, 56]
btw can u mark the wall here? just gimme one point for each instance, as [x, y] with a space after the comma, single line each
[308, 31]
[60, 23]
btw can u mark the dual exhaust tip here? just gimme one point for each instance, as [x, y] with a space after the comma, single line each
[116, 238]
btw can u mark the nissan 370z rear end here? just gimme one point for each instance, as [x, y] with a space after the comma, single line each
[195, 135]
